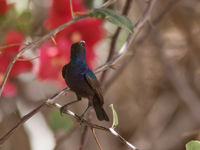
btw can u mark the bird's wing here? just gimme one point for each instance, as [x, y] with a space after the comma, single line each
[94, 84]
[64, 70]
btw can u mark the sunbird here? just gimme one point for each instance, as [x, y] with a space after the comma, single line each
[82, 80]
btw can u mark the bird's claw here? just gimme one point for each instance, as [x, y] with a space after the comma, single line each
[81, 119]
[62, 109]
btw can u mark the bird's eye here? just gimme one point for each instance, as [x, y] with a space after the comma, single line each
[82, 43]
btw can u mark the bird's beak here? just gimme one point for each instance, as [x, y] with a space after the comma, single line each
[82, 43]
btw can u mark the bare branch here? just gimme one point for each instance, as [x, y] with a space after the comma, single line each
[95, 137]
[94, 126]
[53, 40]
[115, 37]
[83, 138]
[11, 45]
[163, 13]
[28, 59]
[20, 123]
[30, 114]
[108, 3]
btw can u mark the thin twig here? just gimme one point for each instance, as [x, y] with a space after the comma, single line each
[114, 39]
[95, 137]
[28, 59]
[94, 126]
[84, 134]
[163, 13]
[30, 114]
[11, 45]
[83, 138]
[20, 123]
[131, 38]
[108, 3]
[53, 40]
[71, 9]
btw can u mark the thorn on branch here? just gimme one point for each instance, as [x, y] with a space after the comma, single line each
[54, 41]
[71, 9]
[27, 59]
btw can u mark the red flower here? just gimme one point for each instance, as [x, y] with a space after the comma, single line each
[52, 58]
[6, 56]
[60, 13]
[3, 7]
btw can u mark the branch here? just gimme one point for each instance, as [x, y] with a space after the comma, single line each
[28, 59]
[20, 123]
[94, 126]
[11, 45]
[163, 13]
[71, 9]
[30, 114]
[83, 138]
[95, 137]
[108, 3]
[115, 37]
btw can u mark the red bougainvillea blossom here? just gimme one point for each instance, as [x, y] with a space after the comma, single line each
[3, 7]
[6, 56]
[59, 12]
[54, 56]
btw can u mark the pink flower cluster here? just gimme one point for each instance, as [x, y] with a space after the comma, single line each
[52, 55]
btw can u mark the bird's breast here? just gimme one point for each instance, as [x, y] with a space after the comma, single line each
[75, 79]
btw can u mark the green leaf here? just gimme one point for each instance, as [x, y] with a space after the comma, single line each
[193, 145]
[58, 122]
[115, 117]
[113, 17]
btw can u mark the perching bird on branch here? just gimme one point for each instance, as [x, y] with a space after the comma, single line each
[81, 79]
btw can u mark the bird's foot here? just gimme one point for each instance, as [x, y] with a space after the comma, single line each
[81, 119]
[63, 109]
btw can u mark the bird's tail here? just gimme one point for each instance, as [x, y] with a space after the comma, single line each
[100, 112]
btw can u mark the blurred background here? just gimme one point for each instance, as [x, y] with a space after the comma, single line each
[155, 89]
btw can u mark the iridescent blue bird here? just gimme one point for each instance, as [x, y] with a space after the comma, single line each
[81, 79]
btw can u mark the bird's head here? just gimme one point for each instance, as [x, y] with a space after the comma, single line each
[78, 50]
